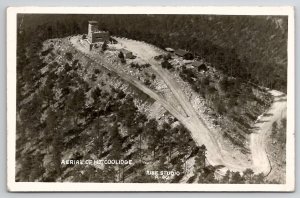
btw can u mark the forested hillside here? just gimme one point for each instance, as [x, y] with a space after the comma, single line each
[71, 109]
[68, 106]
[253, 48]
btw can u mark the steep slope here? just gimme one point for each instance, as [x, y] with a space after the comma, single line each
[192, 121]
[85, 109]
[257, 141]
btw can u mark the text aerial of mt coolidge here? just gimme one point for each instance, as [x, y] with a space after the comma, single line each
[151, 98]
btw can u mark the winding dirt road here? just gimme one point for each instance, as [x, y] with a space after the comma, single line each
[263, 128]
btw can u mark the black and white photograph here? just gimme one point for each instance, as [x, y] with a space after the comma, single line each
[167, 99]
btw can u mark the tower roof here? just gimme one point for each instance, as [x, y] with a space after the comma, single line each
[93, 22]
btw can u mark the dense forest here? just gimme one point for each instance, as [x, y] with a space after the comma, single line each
[253, 48]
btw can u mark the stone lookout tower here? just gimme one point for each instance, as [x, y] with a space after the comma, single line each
[93, 27]
[94, 35]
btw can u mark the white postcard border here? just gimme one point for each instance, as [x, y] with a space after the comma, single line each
[106, 187]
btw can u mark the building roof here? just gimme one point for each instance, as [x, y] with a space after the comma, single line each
[93, 22]
[181, 52]
[169, 49]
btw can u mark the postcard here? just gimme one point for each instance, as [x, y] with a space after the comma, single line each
[150, 99]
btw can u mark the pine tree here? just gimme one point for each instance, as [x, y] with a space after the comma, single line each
[182, 144]
[161, 165]
[226, 177]
[27, 164]
[57, 144]
[75, 103]
[50, 129]
[200, 159]
[104, 46]
[180, 170]
[248, 175]
[47, 94]
[37, 167]
[151, 131]
[237, 178]
[259, 178]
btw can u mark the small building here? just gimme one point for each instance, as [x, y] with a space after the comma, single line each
[168, 49]
[200, 65]
[127, 54]
[95, 35]
[184, 54]
[187, 61]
